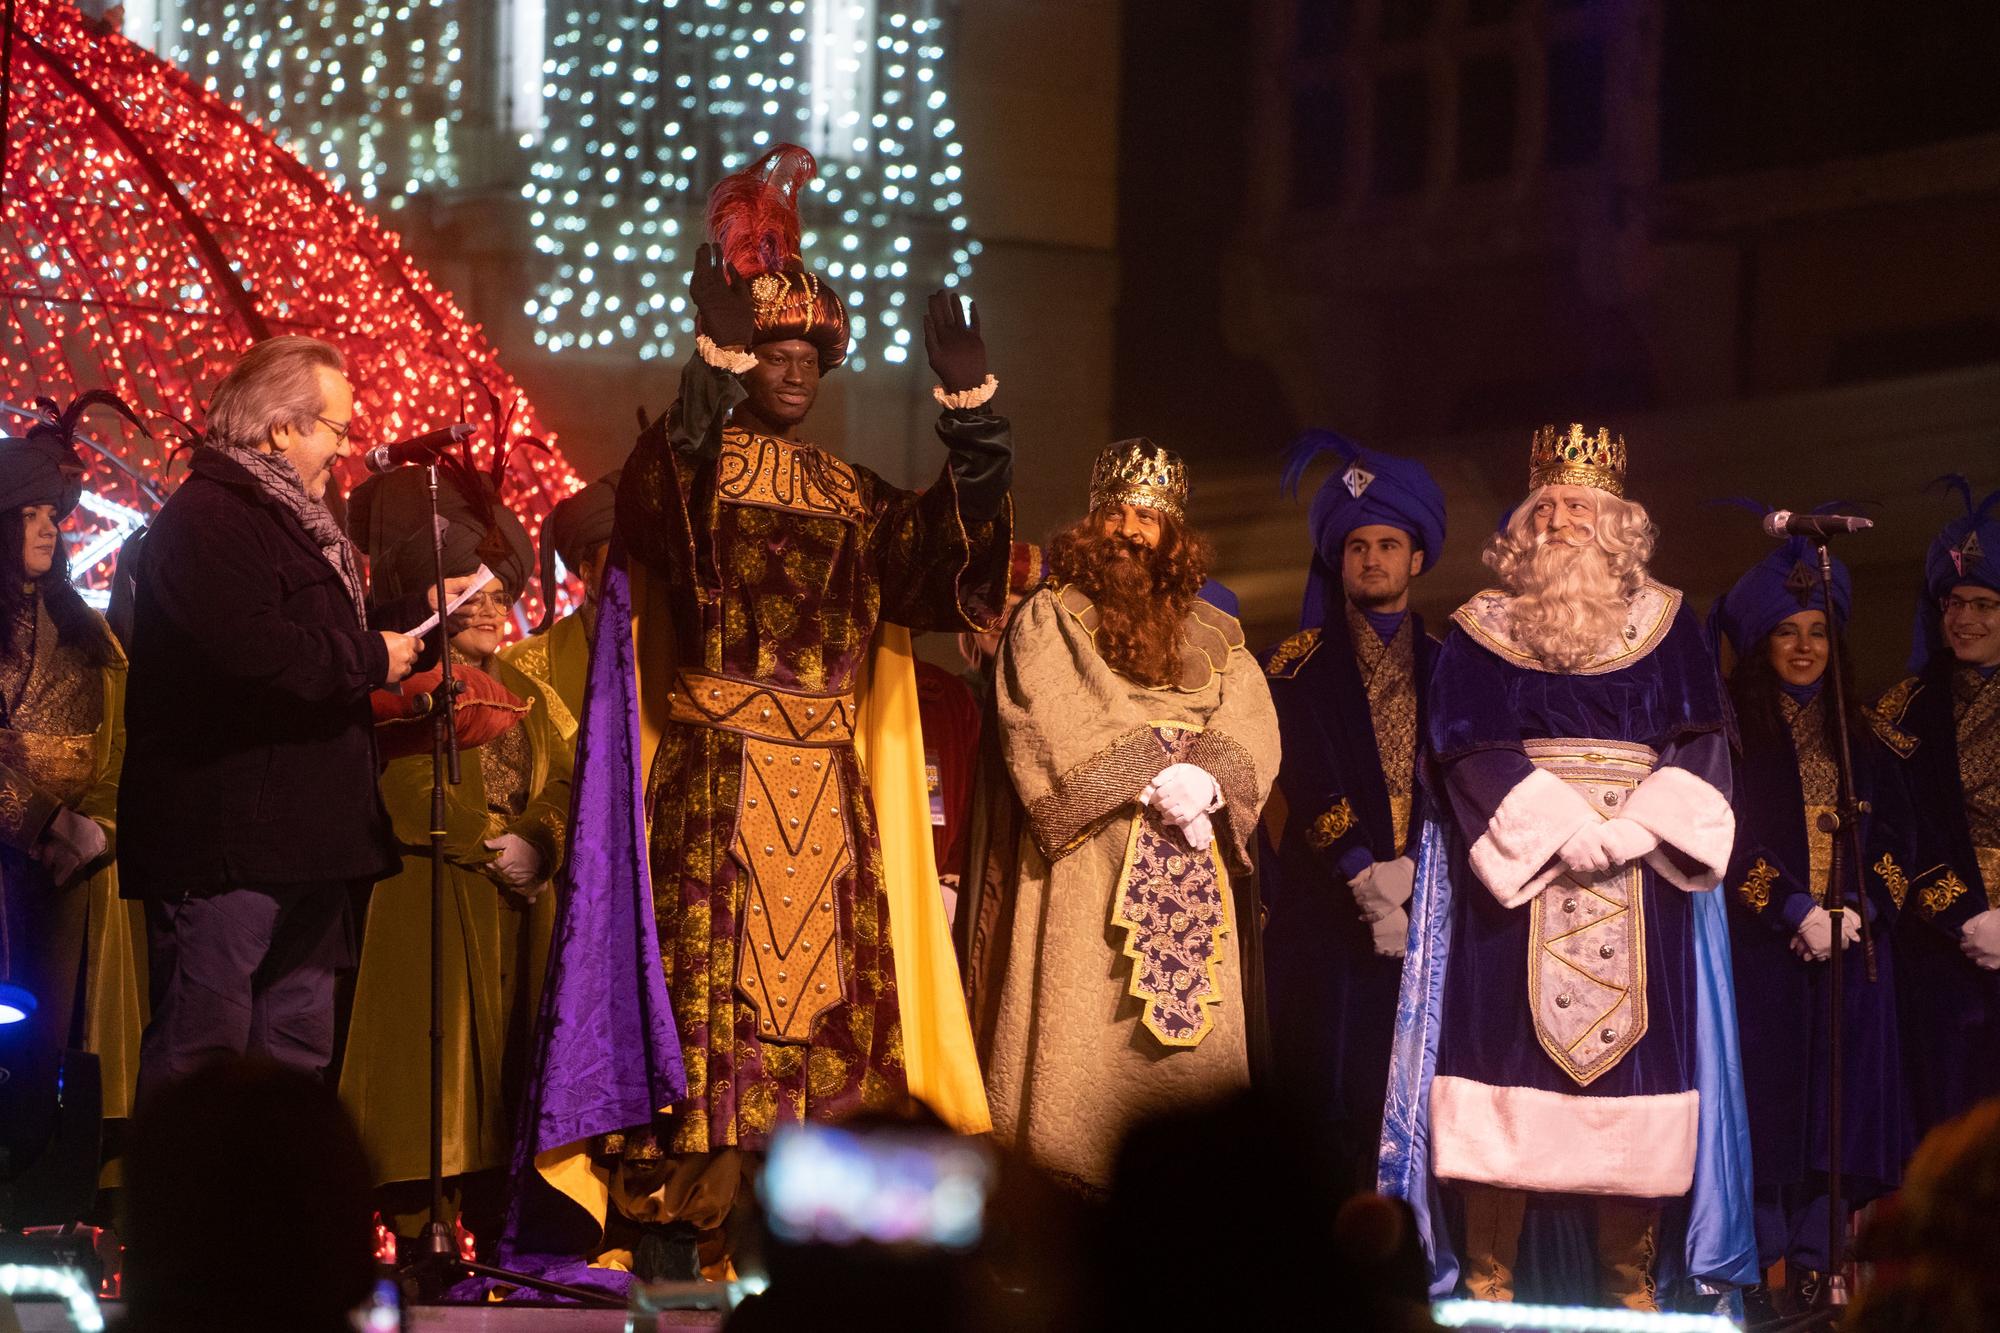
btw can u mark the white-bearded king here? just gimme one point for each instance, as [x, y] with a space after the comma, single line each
[1565, 1029]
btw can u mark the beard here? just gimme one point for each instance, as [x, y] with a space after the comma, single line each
[1568, 606]
[1142, 594]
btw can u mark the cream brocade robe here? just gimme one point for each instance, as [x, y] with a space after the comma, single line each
[1073, 1063]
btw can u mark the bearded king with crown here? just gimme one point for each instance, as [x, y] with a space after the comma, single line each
[1140, 738]
[1565, 1066]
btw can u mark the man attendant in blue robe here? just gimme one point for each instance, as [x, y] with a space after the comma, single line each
[1350, 691]
[1945, 724]
[1579, 733]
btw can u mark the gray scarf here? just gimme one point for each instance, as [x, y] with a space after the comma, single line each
[279, 479]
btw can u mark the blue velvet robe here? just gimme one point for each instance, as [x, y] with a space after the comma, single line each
[1782, 1000]
[1949, 1005]
[1482, 708]
[1462, 1009]
[1330, 998]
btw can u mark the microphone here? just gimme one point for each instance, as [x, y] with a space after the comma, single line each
[1784, 523]
[423, 449]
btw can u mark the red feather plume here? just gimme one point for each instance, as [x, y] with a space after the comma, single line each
[753, 214]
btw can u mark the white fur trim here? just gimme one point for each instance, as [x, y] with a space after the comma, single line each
[1556, 1143]
[1690, 816]
[1513, 856]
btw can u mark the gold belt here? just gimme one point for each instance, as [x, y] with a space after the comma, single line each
[764, 711]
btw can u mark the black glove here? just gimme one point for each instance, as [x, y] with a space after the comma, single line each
[957, 352]
[721, 300]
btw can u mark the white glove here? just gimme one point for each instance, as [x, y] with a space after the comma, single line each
[1596, 848]
[1181, 792]
[71, 842]
[1814, 938]
[1981, 940]
[516, 863]
[1391, 934]
[1384, 887]
[1200, 834]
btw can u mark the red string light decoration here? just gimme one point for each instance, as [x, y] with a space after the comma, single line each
[150, 232]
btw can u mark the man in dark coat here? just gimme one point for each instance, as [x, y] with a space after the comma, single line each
[249, 807]
[1335, 862]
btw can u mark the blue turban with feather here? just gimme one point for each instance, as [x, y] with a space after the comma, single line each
[1967, 550]
[1366, 487]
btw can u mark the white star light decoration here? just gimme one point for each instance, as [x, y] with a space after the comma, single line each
[628, 112]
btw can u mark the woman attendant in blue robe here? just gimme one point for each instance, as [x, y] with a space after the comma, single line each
[1776, 620]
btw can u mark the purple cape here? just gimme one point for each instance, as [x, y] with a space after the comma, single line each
[607, 1053]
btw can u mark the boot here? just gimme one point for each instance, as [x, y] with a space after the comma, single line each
[667, 1252]
[1806, 1287]
[1492, 1240]
[1627, 1243]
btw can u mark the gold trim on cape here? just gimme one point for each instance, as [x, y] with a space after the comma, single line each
[1648, 617]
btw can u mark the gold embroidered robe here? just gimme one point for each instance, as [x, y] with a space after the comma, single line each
[1072, 1060]
[778, 562]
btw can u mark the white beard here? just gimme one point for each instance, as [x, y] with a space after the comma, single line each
[1567, 608]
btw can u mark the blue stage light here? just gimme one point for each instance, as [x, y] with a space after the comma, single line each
[17, 1005]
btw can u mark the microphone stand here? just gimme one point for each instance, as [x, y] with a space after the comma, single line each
[439, 1261]
[1843, 878]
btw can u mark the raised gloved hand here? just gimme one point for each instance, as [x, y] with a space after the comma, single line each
[1596, 848]
[1200, 834]
[721, 300]
[1181, 792]
[1981, 940]
[1383, 888]
[951, 340]
[71, 842]
[1391, 934]
[516, 864]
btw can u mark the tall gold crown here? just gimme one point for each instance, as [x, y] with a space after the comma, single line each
[1577, 459]
[1139, 472]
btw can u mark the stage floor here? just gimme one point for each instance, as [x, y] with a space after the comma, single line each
[42, 1317]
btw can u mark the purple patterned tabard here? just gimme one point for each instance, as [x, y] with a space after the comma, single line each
[1174, 911]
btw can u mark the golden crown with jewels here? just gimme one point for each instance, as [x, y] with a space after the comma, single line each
[1139, 472]
[1572, 458]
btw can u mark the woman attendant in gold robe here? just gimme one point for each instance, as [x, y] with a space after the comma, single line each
[65, 937]
[504, 834]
